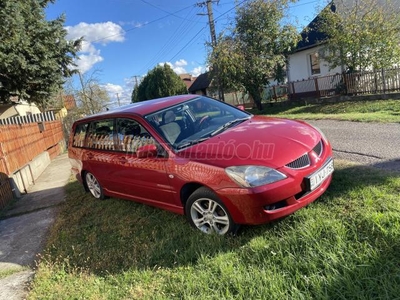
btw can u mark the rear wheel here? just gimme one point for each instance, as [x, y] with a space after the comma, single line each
[207, 213]
[94, 186]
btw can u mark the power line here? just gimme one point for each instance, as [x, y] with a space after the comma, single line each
[163, 10]
[173, 41]
[137, 27]
[164, 48]
[187, 44]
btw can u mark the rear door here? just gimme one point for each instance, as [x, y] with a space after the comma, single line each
[100, 150]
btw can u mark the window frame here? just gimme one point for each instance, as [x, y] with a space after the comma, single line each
[314, 63]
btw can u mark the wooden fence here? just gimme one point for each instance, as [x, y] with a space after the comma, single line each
[374, 82]
[20, 144]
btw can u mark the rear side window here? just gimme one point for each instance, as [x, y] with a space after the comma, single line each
[79, 135]
[101, 135]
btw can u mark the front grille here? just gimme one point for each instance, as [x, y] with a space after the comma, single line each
[300, 163]
[318, 148]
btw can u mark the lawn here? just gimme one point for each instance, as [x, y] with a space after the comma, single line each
[343, 246]
[362, 111]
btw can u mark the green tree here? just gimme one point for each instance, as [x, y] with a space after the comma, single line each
[361, 34]
[35, 57]
[161, 81]
[256, 50]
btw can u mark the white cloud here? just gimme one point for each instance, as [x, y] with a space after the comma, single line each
[178, 66]
[179, 70]
[97, 32]
[181, 63]
[197, 71]
[119, 95]
[113, 88]
[134, 24]
[87, 61]
[102, 33]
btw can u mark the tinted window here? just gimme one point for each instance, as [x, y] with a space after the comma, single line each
[131, 135]
[100, 135]
[79, 135]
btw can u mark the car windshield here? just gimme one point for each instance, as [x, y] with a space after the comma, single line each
[195, 121]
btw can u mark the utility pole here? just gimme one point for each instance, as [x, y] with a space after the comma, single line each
[211, 22]
[213, 43]
[136, 79]
[119, 103]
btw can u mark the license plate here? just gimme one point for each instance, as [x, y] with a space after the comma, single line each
[314, 180]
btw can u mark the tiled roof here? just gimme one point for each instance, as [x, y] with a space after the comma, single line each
[311, 36]
[187, 79]
[69, 101]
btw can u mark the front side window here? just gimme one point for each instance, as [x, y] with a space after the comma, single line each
[100, 135]
[315, 64]
[131, 135]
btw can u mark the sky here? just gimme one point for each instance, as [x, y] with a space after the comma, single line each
[124, 39]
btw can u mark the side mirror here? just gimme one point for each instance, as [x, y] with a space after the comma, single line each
[147, 151]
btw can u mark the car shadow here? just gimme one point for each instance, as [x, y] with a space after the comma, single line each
[115, 236]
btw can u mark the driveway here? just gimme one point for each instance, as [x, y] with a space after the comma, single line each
[375, 144]
[24, 228]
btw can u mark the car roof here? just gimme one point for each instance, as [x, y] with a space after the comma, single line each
[144, 107]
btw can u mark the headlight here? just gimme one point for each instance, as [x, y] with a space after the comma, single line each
[251, 176]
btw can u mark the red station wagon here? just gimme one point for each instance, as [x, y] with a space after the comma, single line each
[193, 155]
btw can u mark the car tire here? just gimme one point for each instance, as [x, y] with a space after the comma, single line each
[206, 212]
[94, 186]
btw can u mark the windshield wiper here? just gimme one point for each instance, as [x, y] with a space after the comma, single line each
[192, 142]
[227, 125]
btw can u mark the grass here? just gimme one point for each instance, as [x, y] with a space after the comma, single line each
[343, 246]
[383, 111]
[12, 269]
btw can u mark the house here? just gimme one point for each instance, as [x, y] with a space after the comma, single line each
[187, 79]
[61, 110]
[202, 84]
[17, 109]
[69, 102]
[305, 62]
[309, 76]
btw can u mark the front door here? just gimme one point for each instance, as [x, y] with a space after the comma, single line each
[144, 179]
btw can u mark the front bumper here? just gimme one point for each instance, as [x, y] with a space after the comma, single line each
[274, 201]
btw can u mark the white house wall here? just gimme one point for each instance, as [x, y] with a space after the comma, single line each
[300, 69]
[25, 108]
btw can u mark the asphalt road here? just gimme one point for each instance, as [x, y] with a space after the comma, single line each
[375, 144]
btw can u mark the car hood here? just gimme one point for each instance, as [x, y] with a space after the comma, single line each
[261, 140]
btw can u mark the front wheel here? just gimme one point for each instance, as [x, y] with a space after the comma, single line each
[207, 213]
[94, 186]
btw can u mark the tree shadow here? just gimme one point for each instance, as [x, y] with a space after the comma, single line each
[115, 236]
